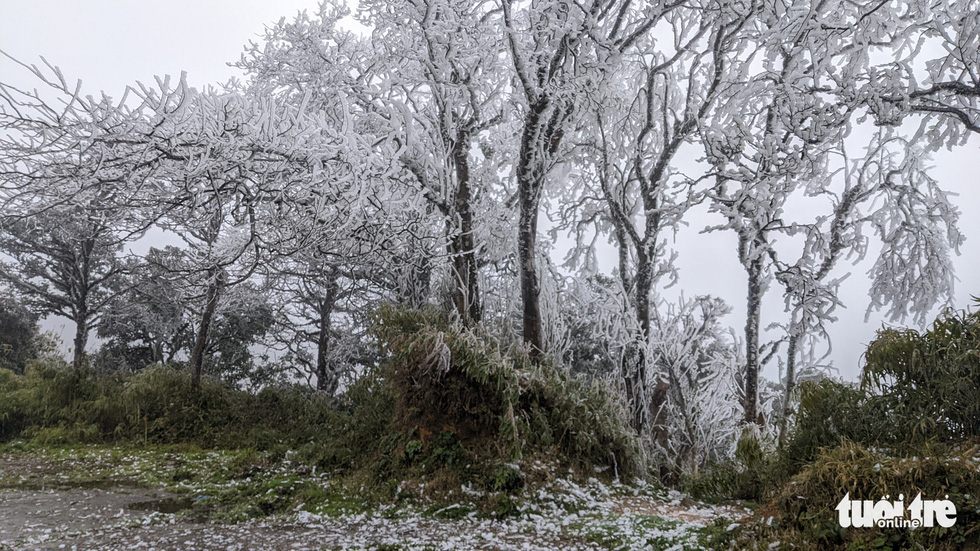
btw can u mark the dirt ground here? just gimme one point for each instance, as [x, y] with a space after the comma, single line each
[124, 519]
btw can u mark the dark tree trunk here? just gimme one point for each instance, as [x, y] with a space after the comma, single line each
[81, 338]
[659, 428]
[158, 351]
[634, 373]
[754, 304]
[79, 291]
[215, 288]
[530, 179]
[466, 293]
[644, 284]
[530, 286]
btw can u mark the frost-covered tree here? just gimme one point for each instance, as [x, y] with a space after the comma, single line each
[157, 321]
[888, 193]
[560, 50]
[770, 138]
[429, 84]
[698, 417]
[149, 322]
[634, 188]
[242, 175]
[925, 65]
[446, 84]
[63, 231]
[322, 303]
[64, 262]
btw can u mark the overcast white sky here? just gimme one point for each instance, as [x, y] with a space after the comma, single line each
[109, 44]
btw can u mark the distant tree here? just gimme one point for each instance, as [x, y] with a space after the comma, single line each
[149, 322]
[237, 346]
[318, 303]
[19, 337]
[157, 321]
[64, 262]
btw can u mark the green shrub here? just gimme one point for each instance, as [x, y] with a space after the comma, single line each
[165, 408]
[917, 388]
[579, 417]
[507, 479]
[932, 380]
[57, 404]
[447, 379]
[50, 395]
[831, 411]
[447, 401]
[20, 339]
[804, 511]
[747, 477]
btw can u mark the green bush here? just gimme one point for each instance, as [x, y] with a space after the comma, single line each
[50, 395]
[931, 380]
[447, 402]
[746, 478]
[20, 339]
[804, 511]
[831, 411]
[506, 479]
[917, 388]
[911, 427]
[57, 404]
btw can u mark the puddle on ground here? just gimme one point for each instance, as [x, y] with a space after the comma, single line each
[172, 505]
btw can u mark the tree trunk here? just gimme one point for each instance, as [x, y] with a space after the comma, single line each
[466, 294]
[790, 381]
[79, 290]
[530, 179]
[215, 287]
[81, 338]
[530, 286]
[644, 284]
[634, 375]
[754, 303]
[635, 360]
[326, 379]
[158, 351]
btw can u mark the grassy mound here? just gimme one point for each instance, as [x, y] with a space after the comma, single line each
[499, 406]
